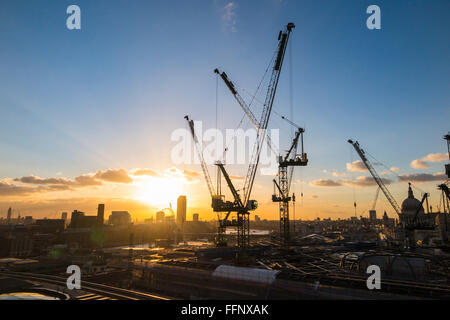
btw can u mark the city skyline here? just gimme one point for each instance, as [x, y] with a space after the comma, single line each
[88, 115]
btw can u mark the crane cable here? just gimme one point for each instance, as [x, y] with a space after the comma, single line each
[388, 169]
[253, 99]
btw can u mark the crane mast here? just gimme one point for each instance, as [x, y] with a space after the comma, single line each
[290, 160]
[447, 166]
[284, 179]
[265, 116]
[261, 126]
[376, 177]
[218, 202]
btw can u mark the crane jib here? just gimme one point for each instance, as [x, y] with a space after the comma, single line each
[265, 116]
[375, 176]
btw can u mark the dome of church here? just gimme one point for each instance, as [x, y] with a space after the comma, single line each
[411, 204]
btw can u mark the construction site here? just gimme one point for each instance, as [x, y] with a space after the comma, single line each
[297, 259]
[329, 260]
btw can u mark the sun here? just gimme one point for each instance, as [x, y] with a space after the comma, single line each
[159, 192]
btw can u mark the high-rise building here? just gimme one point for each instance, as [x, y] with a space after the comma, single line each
[64, 216]
[80, 220]
[76, 219]
[195, 217]
[373, 215]
[8, 217]
[257, 218]
[181, 210]
[101, 214]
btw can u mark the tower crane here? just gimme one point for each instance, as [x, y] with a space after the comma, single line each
[409, 224]
[376, 177]
[291, 158]
[218, 202]
[444, 186]
[243, 205]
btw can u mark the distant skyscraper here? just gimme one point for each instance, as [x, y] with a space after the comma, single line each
[101, 214]
[195, 217]
[181, 210]
[8, 218]
[64, 216]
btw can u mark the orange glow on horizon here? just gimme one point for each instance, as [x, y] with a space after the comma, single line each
[159, 192]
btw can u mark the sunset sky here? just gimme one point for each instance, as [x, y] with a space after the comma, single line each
[86, 116]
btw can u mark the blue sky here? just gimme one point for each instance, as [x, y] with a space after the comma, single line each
[109, 95]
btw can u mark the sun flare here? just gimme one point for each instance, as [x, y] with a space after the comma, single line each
[160, 192]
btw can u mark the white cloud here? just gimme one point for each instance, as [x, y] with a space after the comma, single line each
[325, 183]
[364, 181]
[419, 164]
[435, 157]
[356, 166]
[423, 177]
[431, 157]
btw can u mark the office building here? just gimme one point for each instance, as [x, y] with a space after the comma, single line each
[181, 210]
[101, 214]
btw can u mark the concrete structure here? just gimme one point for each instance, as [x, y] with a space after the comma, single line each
[15, 241]
[372, 215]
[64, 216]
[195, 217]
